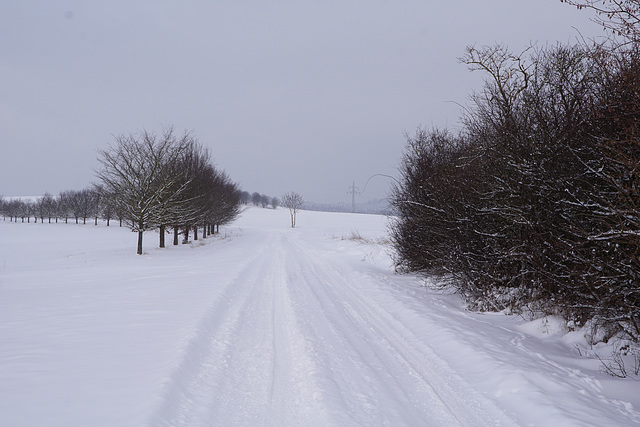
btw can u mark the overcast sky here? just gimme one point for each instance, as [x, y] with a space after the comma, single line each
[287, 95]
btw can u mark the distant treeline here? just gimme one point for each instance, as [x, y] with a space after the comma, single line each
[257, 199]
[378, 207]
[75, 205]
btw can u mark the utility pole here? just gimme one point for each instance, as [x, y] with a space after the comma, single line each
[353, 190]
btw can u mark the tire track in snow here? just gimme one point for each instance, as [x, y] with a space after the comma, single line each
[399, 374]
[247, 363]
[184, 390]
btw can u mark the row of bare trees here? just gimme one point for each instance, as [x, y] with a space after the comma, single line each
[79, 205]
[166, 182]
[257, 199]
[148, 181]
[535, 202]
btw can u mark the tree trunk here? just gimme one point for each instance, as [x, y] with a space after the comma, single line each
[162, 236]
[186, 234]
[175, 236]
[195, 232]
[140, 242]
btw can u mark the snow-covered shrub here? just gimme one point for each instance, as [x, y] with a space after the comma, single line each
[535, 203]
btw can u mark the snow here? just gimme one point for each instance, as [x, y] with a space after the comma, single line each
[268, 325]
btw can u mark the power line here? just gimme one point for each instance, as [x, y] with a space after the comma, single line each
[378, 174]
[353, 190]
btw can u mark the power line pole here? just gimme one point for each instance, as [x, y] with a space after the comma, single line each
[353, 190]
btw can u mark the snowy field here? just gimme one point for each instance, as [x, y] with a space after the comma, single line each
[268, 325]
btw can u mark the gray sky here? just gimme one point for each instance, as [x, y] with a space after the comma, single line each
[287, 94]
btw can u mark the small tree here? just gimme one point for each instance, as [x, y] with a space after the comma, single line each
[13, 208]
[64, 205]
[264, 200]
[72, 203]
[82, 204]
[292, 201]
[245, 197]
[225, 201]
[275, 202]
[47, 206]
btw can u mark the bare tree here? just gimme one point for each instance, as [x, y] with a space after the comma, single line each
[180, 206]
[71, 204]
[133, 173]
[82, 204]
[48, 206]
[22, 209]
[622, 17]
[245, 197]
[166, 181]
[264, 200]
[224, 201]
[64, 205]
[256, 198]
[292, 201]
[30, 210]
[106, 207]
[14, 209]
[9, 209]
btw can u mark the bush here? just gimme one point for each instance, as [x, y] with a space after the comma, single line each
[534, 203]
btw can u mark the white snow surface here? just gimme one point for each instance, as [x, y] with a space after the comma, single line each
[268, 325]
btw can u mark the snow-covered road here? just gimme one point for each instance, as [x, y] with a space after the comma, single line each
[297, 340]
[268, 325]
